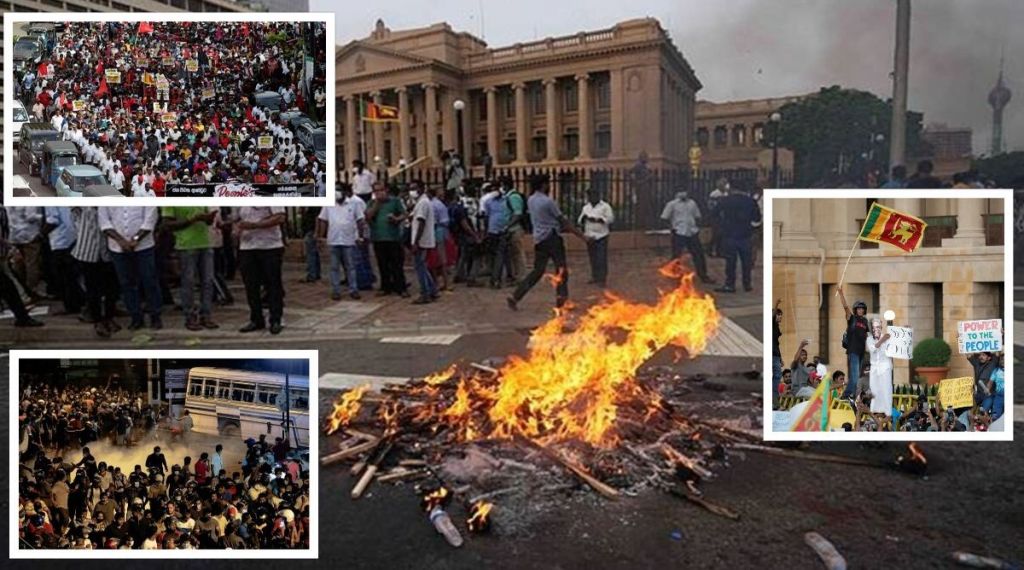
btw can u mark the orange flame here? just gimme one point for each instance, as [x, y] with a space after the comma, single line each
[916, 454]
[435, 499]
[576, 374]
[388, 413]
[346, 408]
[478, 521]
[441, 377]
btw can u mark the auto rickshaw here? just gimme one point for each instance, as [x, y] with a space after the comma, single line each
[56, 155]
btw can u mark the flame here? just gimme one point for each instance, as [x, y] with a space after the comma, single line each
[346, 408]
[478, 520]
[441, 377]
[577, 373]
[556, 278]
[916, 454]
[435, 499]
[388, 413]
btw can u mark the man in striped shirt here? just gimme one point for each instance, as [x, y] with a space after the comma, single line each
[94, 262]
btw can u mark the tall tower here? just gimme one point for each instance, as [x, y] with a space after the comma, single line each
[998, 97]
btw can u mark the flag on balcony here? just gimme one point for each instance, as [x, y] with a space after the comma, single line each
[145, 28]
[885, 225]
[375, 113]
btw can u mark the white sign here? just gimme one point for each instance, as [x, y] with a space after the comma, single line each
[901, 343]
[980, 336]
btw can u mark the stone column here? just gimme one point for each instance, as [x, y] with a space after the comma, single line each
[448, 127]
[352, 126]
[795, 234]
[551, 117]
[582, 81]
[404, 146]
[970, 226]
[378, 134]
[618, 112]
[521, 126]
[492, 123]
[430, 92]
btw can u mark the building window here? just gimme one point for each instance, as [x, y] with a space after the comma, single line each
[412, 148]
[721, 136]
[937, 307]
[823, 324]
[537, 100]
[604, 94]
[510, 149]
[603, 140]
[510, 105]
[570, 98]
[481, 105]
[702, 137]
[758, 133]
[739, 135]
[539, 145]
[571, 141]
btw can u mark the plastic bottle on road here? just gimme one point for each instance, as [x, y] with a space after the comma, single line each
[444, 525]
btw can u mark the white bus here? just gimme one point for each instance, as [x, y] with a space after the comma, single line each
[239, 403]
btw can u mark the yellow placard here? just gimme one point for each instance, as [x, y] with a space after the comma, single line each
[957, 392]
[78, 105]
[167, 60]
[192, 65]
[207, 93]
[265, 142]
[169, 117]
[113, 76]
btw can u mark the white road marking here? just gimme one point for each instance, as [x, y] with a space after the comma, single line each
[34, 312]
[1018, 330]
[440, 339]
[337, 381]
[1018, 414]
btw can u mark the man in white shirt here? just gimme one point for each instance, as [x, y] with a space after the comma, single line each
[261, 251]
[129, 232]
[140, 189]
[26, 235]
[422, 242]
[362, 179]
[683, 216]
[117, 178]
[344, 226]
[597, 217]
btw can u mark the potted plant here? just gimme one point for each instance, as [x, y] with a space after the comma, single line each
[931, 359]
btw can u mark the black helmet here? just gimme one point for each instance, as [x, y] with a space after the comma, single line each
[860, 304]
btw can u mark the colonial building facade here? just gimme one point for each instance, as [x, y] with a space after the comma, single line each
[733, 134]
[957, 274]
[600, 97]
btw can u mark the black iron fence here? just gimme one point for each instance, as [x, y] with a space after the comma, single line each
[636, 195]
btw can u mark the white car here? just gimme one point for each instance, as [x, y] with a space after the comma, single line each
[19, 116]
[20, 186]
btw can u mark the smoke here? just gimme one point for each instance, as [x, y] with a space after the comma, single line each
[744, 49]
[175, 452]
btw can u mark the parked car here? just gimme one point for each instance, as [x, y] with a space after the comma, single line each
[20, 116]
[31, 140]
[269, 100]
[83, 180]
[56, 156]
[313, 137]
[297, 121]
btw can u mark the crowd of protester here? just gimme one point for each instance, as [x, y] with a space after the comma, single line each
[163, 124]
[90, 503]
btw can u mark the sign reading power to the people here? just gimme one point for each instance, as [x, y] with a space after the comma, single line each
[980, 336]
[901, 343]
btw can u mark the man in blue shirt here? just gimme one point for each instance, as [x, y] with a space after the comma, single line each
[59, 228]
[548, 225]
[497, 239]
[736, 213]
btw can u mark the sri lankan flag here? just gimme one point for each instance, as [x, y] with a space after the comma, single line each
[884, 225]
[375, 113]
[815, 415]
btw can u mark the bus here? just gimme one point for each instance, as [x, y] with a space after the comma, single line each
[244, 404]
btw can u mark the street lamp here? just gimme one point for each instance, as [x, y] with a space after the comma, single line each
[889, 316]
[459, 105]
[775, 118]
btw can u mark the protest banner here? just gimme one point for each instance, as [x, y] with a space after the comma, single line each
[957, 392]
[192, 65]
[113, 76]
[980, 336]
[207, 93]
[169, 117]
[142, 61]
[167, 60]
[901, 343]
[239, 190]
[78, 105]
[266, 141]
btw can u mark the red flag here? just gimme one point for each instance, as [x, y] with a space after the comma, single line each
[145, 28]
[103, 87]
[41, 71]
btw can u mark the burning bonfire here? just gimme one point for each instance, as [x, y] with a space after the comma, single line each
[577, 401]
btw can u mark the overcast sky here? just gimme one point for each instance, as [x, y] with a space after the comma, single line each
[743, 49]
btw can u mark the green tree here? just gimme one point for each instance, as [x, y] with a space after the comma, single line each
[833, 136]
[1007, 169]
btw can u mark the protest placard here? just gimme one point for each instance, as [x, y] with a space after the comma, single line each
[957, 392]
[78, 105]
[167, 60]
[980, 336]
[113, 76]
[207, 93]
[265, 141]
[901, 343]
[169, 117]
[192, 65]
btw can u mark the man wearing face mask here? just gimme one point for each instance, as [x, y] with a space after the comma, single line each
[683, 216]
[362, 179]
[344, 226]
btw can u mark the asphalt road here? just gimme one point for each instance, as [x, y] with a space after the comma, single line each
[35, 183]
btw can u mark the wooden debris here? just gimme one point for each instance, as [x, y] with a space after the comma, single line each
[690, 464]
[350, 452]
[710, 506]
[594, 483]
[371, 469]
[412, 463]
[400, 474]
[484, 368]
[826, 457]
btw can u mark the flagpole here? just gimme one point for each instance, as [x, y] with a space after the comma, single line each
[843, 277]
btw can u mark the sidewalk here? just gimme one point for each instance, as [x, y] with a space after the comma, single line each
[310, 314]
